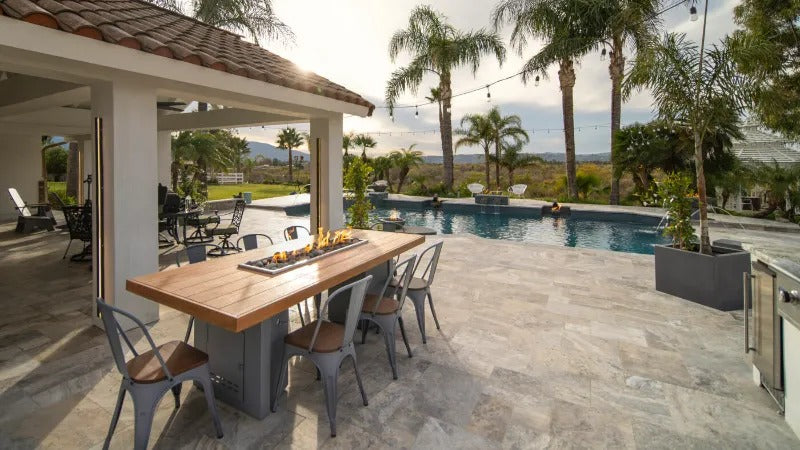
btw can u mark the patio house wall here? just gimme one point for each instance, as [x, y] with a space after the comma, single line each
[20, 168]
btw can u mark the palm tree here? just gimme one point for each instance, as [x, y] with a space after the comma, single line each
[238, 147]
[503, 128]
[404, 159]
[436, 96]
[381, 167]
[289, 138]
[437, 47]
[347, 143]
[707, 98]
[206, 150]
[554, 22]
[513, 158]
[364, 141]
[477, 132]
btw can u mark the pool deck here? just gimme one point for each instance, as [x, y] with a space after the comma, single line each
[541, 347]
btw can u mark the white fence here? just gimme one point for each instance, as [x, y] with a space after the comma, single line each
[228, 178]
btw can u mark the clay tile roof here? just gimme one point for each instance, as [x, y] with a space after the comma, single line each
[143, 26]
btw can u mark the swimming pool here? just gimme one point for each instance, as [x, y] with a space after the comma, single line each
[624, 233]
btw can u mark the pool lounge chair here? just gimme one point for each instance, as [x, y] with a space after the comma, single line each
[28, 222]
[476, 188]
[517, 189]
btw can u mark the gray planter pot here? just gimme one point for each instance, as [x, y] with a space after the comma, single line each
[710, 280]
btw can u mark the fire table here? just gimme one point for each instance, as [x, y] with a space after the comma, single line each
[242, 315]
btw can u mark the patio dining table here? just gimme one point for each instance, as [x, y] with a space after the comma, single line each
[179, 218]
[241, 316]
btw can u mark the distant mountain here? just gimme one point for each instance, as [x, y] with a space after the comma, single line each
[550, 157]
[269, 151]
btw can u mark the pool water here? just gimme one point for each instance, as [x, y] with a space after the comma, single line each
[631, 235]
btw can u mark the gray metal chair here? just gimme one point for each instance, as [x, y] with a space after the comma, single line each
[150, 375]
[420, 286]
[293, 232]
[196, 253]
[327, 345]
[250, 241]
[385, 310]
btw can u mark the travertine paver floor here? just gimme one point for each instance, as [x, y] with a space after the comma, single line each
[540, 347]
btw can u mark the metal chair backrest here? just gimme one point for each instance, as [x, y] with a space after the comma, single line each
[19, 205]
[430, 267]
[196, 253]
[399, 290]
[475, 188]
[251, 241]
[114, 332]
[79, 221]
[172, 203]
[293, 232]
[238, 213]
[162, 194]
[358, 289]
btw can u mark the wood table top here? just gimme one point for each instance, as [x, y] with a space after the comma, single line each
[219, 292]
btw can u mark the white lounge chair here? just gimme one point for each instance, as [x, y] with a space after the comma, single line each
[27, 221]
[475, 188]
[518, 189]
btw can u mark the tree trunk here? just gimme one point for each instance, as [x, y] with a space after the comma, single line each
[174, 170]
[291, 165]
[616, 69]
[497, 154]
[705, 242]
[400, 182]
[486, 164]
[510, 177]
[73, 170]
[566, 78]
[446, 129]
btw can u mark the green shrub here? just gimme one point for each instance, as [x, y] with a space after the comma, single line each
[675, 193]
[357, 180]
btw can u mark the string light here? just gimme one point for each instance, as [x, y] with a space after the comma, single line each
[416, 113]
[693, 14]
[488, 95]
[603, 54]
[536, 81]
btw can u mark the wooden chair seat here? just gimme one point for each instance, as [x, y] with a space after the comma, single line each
[387, 305]
[329, 339]
[414, 285]
[178, 356]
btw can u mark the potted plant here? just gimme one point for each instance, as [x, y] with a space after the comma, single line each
[356, 179]
[713, 279]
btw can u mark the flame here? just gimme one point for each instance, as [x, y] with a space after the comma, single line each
[308, 248]
[394, 215]
[279, 257]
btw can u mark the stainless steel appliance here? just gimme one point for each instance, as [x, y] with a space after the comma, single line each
[762, 328]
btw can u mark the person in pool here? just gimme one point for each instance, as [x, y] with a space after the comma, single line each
[555, 208]
[436, 203]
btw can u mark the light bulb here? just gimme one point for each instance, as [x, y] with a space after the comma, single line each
[416, 113]
[693, 14]
[536, 81]
[603, 54]
[488, 95]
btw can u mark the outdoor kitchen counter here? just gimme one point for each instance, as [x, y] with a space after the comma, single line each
[242, 315]
[219, 292]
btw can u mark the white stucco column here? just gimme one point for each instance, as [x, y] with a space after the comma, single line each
[328, 188]
[21, 168]
[130, 179]
[165, 158]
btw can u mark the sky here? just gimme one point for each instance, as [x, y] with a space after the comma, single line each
[347, 42]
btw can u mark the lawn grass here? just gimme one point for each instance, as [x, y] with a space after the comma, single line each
[223, 191]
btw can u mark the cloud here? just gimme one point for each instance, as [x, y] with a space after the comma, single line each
[347, 41]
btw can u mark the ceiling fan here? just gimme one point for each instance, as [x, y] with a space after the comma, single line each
[171, 106]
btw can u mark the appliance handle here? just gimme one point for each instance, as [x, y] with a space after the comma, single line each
[747, 281]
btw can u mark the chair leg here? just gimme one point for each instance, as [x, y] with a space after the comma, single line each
[144, 406]
[419, 309]
[281, 379]
[433, 310]
[208, 390]
[115, 417]
[176, 392]
[358, 379]
[364, 329]
[388, 337]
[67, 250]
[329, 384]
[300, 312]
[403, 333]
